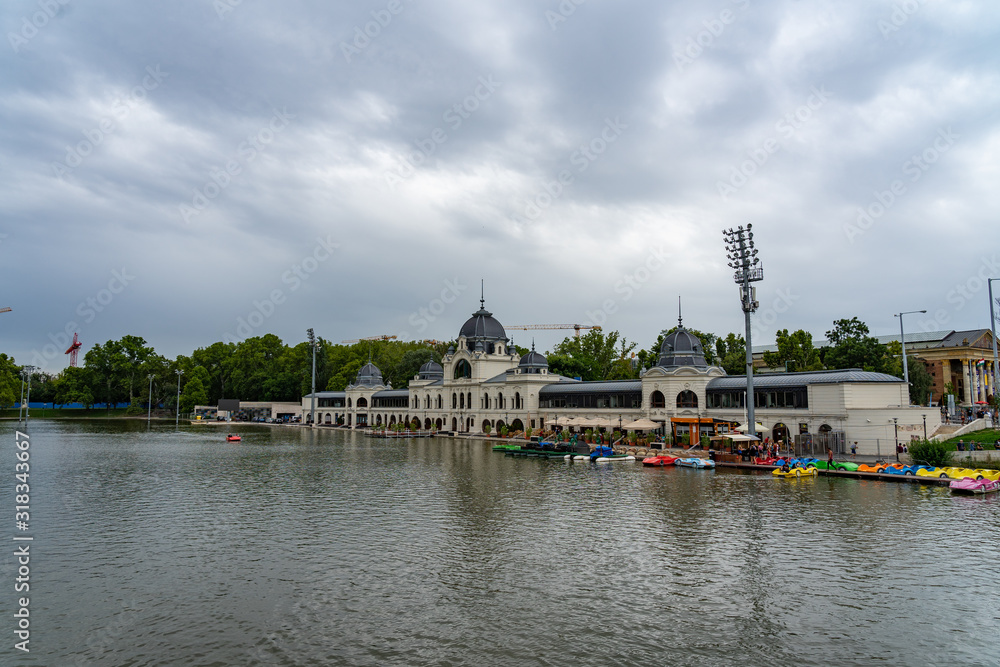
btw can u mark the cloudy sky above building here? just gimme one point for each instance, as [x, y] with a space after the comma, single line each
[203, 170]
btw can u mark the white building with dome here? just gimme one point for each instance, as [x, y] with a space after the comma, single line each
[482, 384]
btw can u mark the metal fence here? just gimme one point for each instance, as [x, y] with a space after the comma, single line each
[816, 444]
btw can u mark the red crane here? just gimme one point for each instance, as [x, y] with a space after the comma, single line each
[73, 350]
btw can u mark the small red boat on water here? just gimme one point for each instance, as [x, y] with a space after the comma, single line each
[659, 461]
[233, 438]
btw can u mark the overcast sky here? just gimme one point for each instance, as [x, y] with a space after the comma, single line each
[194, 171]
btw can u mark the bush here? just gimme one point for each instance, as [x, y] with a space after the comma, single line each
[929, 452]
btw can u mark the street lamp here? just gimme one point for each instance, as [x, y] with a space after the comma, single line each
[925, 426]
[895, 426]
[312, 344]
[27, 400]
[743, 260]
[149, 411]
[177, 419]
[902, 341]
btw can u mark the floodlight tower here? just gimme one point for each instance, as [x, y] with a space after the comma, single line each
[312, 343]
[743, 260]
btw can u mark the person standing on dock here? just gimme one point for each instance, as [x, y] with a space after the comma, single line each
[854, 450]
[829, 459]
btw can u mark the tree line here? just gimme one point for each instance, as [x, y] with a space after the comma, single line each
[263, 368]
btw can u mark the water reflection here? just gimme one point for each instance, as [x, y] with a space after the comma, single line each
[298, 546]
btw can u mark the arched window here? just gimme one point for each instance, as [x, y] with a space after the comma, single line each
[500, 401]
[486, 401]
[362, 402]
[517, 400]
[439, 404]
[470, 406]
[461, 400]
[656, 400]
[687, 399]
[463, 369]
[454, 401]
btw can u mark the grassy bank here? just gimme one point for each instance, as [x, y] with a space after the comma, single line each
[986, 438]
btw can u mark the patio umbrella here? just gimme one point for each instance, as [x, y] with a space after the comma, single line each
[743, 428]
[640, 425]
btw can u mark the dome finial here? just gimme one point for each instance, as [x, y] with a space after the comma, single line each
[482, 293]
[680, 321]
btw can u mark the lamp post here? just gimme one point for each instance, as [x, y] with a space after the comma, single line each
[993, 330]
[925, 426]
[895, 425]
[177, 419]
[312, 344]
[27, 400]
[902, 341]
[149, 409]
[743, 260]
[20, 406]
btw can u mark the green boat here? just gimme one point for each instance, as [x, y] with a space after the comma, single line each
[506, 448]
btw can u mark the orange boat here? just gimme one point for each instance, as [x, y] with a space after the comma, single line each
[233, 438]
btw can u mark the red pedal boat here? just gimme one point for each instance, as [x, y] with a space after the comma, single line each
[659, 461]
[233, 438]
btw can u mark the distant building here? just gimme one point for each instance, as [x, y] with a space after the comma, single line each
[962, 358]
[483, 384]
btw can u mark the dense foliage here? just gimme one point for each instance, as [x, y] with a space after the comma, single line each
[930, 452]
[264, 368]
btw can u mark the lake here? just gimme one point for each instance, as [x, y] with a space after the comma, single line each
[305, 547]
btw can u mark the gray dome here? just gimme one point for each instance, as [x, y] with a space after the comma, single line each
[432, 370]
[533, 362]
[369, 376]
[483, 328]
[682, 348]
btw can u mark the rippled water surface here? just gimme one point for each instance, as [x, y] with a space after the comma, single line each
[327, 548]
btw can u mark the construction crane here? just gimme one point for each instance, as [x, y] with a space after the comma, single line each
[358, 340]
[73, 350]
[575, 327]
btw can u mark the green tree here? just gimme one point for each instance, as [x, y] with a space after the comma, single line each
[134, 356]
[731, 352]
[107, 363]
[75, 385]
[194, 392]
[851, 346]
[10, 381]
[216, 358]
[597, 353]
[796, 348]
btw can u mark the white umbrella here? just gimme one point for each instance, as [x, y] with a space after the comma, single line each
[743, 428]
[640, 425]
